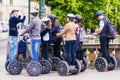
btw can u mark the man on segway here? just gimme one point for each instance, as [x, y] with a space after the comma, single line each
[104, 40]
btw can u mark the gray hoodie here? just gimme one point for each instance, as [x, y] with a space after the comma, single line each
[35, 27]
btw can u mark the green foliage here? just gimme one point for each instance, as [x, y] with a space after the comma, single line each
[86, 8]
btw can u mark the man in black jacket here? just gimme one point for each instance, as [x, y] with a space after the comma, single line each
[13, 32]
[104, 41]
[55, 40]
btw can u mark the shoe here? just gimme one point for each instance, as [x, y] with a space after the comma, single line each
[111, 66]
[72, 69]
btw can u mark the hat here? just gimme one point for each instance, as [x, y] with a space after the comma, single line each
[52, 16]
[44, 19]
[100, 12]
[70, 15]
[34, 11]
[14, 10]
[77, 16]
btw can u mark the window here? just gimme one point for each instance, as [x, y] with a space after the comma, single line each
[11, 2]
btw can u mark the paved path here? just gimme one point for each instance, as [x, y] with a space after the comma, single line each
[3, 35]
[87, 75]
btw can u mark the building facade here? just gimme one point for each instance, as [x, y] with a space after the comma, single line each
[7, 5]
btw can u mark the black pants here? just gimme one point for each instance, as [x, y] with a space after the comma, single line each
[57, 48]
[44, 51]
[79, 52]
[104, 43]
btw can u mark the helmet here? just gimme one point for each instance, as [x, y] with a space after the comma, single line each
[52, 16]
[34, 11]
[45, 19]
[70, 15]
[77, 16]
[100, 12]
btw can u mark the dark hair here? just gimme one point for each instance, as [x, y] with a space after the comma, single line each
[71, 19]
[34, 14]
[14, 10]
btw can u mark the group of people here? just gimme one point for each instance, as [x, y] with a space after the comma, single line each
[47, 30]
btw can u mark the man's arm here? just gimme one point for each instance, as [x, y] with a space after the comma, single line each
[29, 28]
[99, 30]
[63, 31]
[20, 20]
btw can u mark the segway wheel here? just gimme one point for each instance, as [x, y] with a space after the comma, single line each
[78, 66]
[55, 61]
[84, 65]
[101, 64]
[34, 68]
[46, 66]
[62, 68]
[14, 68]
[6, 64]
[114, 62]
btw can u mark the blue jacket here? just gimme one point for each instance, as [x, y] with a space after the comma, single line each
[55, 29]
[13, 21]
[22, 47]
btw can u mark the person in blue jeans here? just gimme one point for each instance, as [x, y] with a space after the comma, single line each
[35, 27]
[70, 39]
[13, 33]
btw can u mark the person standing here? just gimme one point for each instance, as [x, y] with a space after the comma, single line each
[55, 40]
[13, 32]
[104, 41]
[70, 39]
[35, 27]
[80, 35]
[46, 38]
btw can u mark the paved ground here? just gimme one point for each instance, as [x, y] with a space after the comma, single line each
[87, 75]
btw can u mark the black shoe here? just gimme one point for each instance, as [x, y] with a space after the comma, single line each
[111, 66]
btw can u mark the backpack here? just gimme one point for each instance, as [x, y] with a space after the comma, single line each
[110, 30]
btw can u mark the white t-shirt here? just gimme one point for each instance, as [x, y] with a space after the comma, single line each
[101, 24]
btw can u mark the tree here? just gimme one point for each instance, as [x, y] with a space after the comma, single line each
[86, 8]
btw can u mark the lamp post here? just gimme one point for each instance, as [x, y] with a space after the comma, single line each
[115, 16]
[42, 8]
[29, 8]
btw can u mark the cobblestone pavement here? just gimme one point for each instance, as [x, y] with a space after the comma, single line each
[87, 75]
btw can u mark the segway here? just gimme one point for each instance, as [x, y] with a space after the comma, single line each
[34, 68]
[101, 64]
[46, 66]
[63, 69]
[84, 65]
[13, 67]
[55, 61]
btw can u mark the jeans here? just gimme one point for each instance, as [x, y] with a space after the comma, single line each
[70, 52]
[35, 47]
[13, 47]
[104, 43]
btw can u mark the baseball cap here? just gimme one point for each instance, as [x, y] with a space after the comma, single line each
[100, 12]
